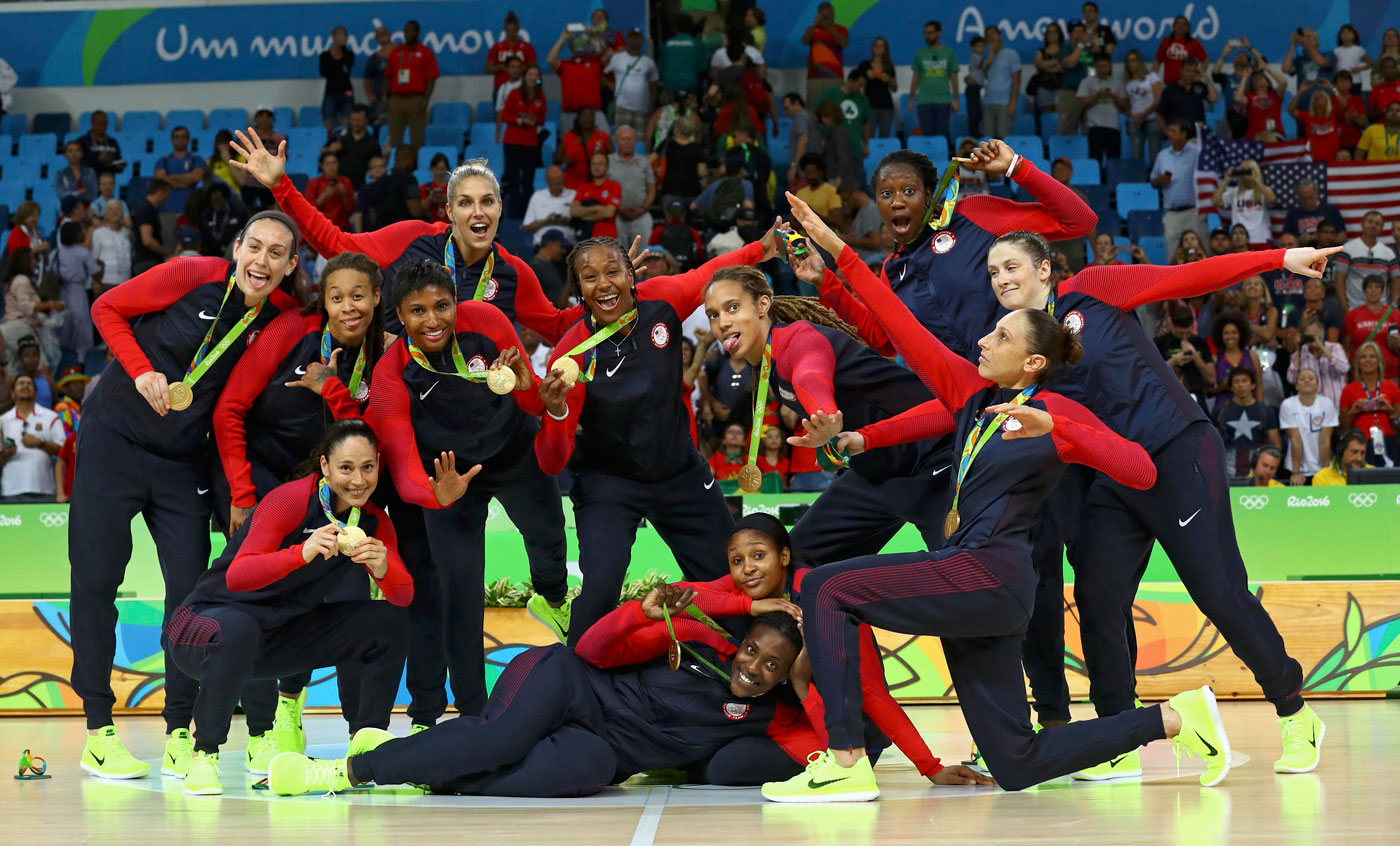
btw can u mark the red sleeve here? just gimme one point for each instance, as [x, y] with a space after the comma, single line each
[313, 187]
[528, 51]
[720, 598]
[1196, 49]
[1057, 213]
[338, 400]
[383, 245]
[396, 585]
[151, 291]
[1130, 286]
[250, 377]
[511, 110]
[684, 292]
[951, 378]
[926, 420]
[850, 309]
[1162, 49]
[388, 415]
[804, 357]
[533, 309]
[473, 316]
[1081, 438]
[430, 65]
[625, 636]
[793, 733]
[655, 236]
[261, 560]
[555, 441]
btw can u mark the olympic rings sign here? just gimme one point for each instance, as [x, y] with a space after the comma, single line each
[1253, 502]
[53, 519]
[1362, 500]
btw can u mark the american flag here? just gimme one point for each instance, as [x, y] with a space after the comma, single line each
[1358, 187]
[1221, 155]
[1283, 180]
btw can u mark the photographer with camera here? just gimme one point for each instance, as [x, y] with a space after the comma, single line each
[1188, 354]
[1309, 349]
[1247, 199]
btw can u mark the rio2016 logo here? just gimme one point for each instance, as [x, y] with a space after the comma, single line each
[1309, 501]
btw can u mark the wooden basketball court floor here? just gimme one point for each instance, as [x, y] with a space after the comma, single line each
[1353, 797]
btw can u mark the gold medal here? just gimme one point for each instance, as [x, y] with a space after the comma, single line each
[750, 478]
[950, 523]
[673, 655]
[349, 538]
[501, 380]
[568, 370]
[180, 396]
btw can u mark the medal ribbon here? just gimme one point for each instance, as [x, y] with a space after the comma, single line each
[449, 260]
[1050, 303]
[359, 370]
[666, 613]
[597, 338]
[458, 362]
[323, 492]
[945, 209]
[760, 401]
[974, 443]
[204, 358]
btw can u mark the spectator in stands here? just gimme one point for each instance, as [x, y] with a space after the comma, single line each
[433, 193]
[1246, 198]
[1244, 420]
[1352, 449]
[1099, 37]
[865, 235]
[747, 157]
[78, 270]
[26, 315]
[772, 458]
[511, 45]
[728, 238]
[101, 152]
[333, 194]
[684, 158]
[24, 230]
[1174, 174]
[377, 76]
[1188, 248]
[1262, 99]
[1266, 463]
[1307, 420]
[1074, 69]
[677, 237]
[523, 115]
[148, 242]
[217, 168]
[1239, 238]
[719, 204]
[1303, 219]
[179, 168]
[1321, 122]
[1188, 354]
[841, 163]
[1143, 88]
[1003, 85]
[546, 262]
[1043, 91]
[1247, 60]
[1390, 48]
[580, 78]
[1377, 321]
[1387, 89]
[634, 175]
[730, 458]
[729, 392]
[1305, 62]
[826, 40]
[604, 39]
[934, 85]
[412, 74]
[107, 194]
[577, 146]
[1369, 402]
[8, 80]
[1105, 251]
[881, 82]
[389, 196]
[1349, 55]
[354, 145]
[734, 109]
[974, 82]
[1229, 336]
[1174, 50]
[339, 94]
[804, 134]
[973, 182]
[111, 245]
[1185, 97]
[187, 241]
[548, 209]
[1326, 308]
[597, 200]
[1259, 310]
[1309, 349]
[855, 111]
[818, 193]
[684, 59]
[1361, 257]
[1350, 109]
[33, 436]
[1102, 97]
[75, 179]
[1219, 241]
[264, 120]
[635, 83]
[221, 222]
[1381, 141]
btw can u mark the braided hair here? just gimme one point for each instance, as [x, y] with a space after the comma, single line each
[784, 309]
[361, 263]
[572, 287]
[918, 162]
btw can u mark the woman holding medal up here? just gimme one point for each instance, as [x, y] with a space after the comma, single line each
[455, 391]
[176, 331]
[616, 414]
[267, 608]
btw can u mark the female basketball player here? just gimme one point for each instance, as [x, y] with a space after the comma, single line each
[266, 608]
[176, 332]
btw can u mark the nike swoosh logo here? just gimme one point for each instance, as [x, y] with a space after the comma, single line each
[171, 757]
[709, 484]
[1115, 761]
[1183, 523]
[300, 371]
[203, 316]
[1211, 749]
[815, 785]
[100, 761]
[307, 531]
[201, 491]
[424, 395]
[614, 368]
[939, 470]
[1313, 739]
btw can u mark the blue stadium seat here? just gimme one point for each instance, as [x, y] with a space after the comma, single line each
[539, 179]
[11, 194]
[1029, 146]
[305, 138]
[202, 141]
[7, 148]
[132, 143]
[1097, 196]
[228, 119]
[485, 113]
[23, 171]
[282, 119]
[1124, 170]
[146, 163]
[909, 122]
[444, 134]
[309, 116]
[135, 189]
[1086, 172]
[1109, 222]
[933, 146]
[426, 153]
[1155, 248]
[422, 175]
[47, 198]
[299, 180]
[1142, 223]
[1136, 195]
[1049, 125]
[39, 147]
[14, 125]
[191, 119]
[85, 122]
[881, 147]
[1023, 123]
[552, 110]
[454, 113]
[1069, 146]
[303, 161]
[141, 121]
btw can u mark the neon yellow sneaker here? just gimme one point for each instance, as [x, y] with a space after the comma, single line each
[203, 776]
[105, 757]
[287, 733]
[1302, 742]
[417, 727]
[261, 749]
[554, 619]
[1127, 765]
[366, 739]
[1202, 733]
[292, 774]
[826, 781]
[179, 748]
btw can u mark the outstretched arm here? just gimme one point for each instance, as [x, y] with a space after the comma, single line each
[926, 420]
[1058, 213]
[1082, 438]
[1127, 287]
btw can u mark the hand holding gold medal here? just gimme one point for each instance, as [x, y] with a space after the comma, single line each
[567, 369]
[180, 396]
[349, 538]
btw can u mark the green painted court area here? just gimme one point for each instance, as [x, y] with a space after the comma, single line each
[1285, 534]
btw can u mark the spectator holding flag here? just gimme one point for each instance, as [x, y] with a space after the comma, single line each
[1247, 199]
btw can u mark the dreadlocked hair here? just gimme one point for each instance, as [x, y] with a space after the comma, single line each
[571, 286]
[783, 309]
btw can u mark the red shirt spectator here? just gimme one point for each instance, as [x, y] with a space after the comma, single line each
[334, 196]
[1354, 105]
[577, 152]
[411, 66]
[1356, 392]
[726, 115]
[581, 81]
[780, 466]
[1383, 95]
[1173, 50]
[525, 135]
[825, 43]
[725, 467]
[607, 193]
[433, 196]
[1263, 111]
[503, 50]
[1358, 325]
[802, 459]
[1324, 134]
